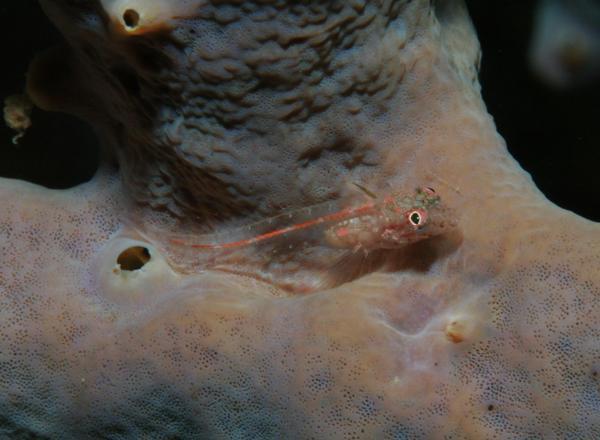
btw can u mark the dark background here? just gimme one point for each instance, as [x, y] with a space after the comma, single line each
[553, 134]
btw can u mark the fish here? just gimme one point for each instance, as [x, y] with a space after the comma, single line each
[390, 222]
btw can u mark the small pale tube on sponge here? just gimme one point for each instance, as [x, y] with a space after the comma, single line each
[133, 273]
[141, 16]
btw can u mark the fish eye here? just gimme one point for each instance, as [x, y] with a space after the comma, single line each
[415, 218]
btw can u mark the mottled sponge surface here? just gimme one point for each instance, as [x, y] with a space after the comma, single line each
[506, 347]
[200, 98]
[489, 332]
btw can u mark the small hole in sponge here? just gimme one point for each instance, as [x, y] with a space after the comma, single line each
[133, 258]
[131, 18]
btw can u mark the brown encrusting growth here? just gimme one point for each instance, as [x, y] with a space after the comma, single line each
[226, 113]
[17, 114]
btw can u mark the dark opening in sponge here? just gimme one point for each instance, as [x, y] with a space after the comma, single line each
[133, 258]
[131, 18]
